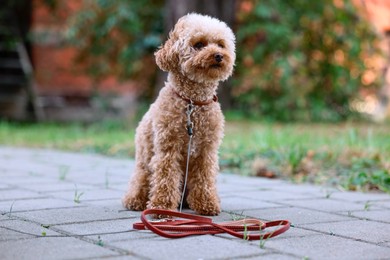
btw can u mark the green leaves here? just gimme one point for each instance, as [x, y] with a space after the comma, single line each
[114, 37]
[302, 60]
[366, 174]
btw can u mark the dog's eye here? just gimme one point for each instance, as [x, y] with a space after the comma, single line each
[220, 45]
[199, 45]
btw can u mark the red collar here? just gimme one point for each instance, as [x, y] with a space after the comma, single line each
[197, 103]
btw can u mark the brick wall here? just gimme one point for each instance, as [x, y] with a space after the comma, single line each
[55, 70]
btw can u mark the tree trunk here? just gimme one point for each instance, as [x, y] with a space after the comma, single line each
[221, 9]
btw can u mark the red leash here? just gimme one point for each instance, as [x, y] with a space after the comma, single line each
[189, 225]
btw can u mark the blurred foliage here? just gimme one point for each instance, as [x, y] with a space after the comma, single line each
[297, 59]
[117, 37]
[302, 60]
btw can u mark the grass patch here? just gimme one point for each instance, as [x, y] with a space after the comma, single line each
[109, 138]
[351, 156]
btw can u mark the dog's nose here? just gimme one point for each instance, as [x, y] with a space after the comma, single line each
[218, 57]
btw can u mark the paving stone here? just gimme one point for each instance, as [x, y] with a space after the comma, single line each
[358, 229]
[57, 186]
[244, 181]
[123, 257]
[51, 248]
[296, 216]
[30, 180]
[199, 247]
[6, 234]
[329, 205]
[95, 178]
[17, 194]
[122, 186]
[272, 195]
[228, 188]
[274, 256]
[99, 227]
[234, 203]
[4, 186]
[359, 197]
[4, 217]
[28, 168]
[28, 228]
[87, 194]
[35, 204]
[113, 205]
[8, 173]
[26, 180]
[382, 204]
[291, 232]
[124, 236]
[317, 191]
[70, 215]
[377, 215]
[328, 247]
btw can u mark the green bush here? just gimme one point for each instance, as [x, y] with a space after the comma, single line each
[301, 59]
[117, 37]
[297, 59]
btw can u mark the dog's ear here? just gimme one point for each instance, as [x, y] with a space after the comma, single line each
[167, 57]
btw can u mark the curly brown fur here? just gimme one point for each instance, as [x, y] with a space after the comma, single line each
[199, 53]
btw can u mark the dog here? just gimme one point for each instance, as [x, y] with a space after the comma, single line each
[198, 54]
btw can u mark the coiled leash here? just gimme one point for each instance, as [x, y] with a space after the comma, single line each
[190, 225]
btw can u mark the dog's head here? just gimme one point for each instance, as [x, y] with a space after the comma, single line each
[200, 47]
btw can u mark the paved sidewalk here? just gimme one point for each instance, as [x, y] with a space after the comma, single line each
[40, 219]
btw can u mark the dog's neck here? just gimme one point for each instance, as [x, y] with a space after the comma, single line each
[191, 89]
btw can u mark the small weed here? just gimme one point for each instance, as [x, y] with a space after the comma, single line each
[45, 226]
[263, 241]
[305, 258]
[10, 209]
[77, 195]
[245, 234]
[107, 183]
[331, 233]
[63, 171]
[99, 242]
[367, 205]
[43, 233]
[328, 193]
[235, 216]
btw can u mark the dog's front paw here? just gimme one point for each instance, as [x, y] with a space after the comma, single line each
[162, 207]
[209, 210]
[207, 207]
[134, 203]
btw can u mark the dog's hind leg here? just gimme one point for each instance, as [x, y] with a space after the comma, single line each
[137, 195]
